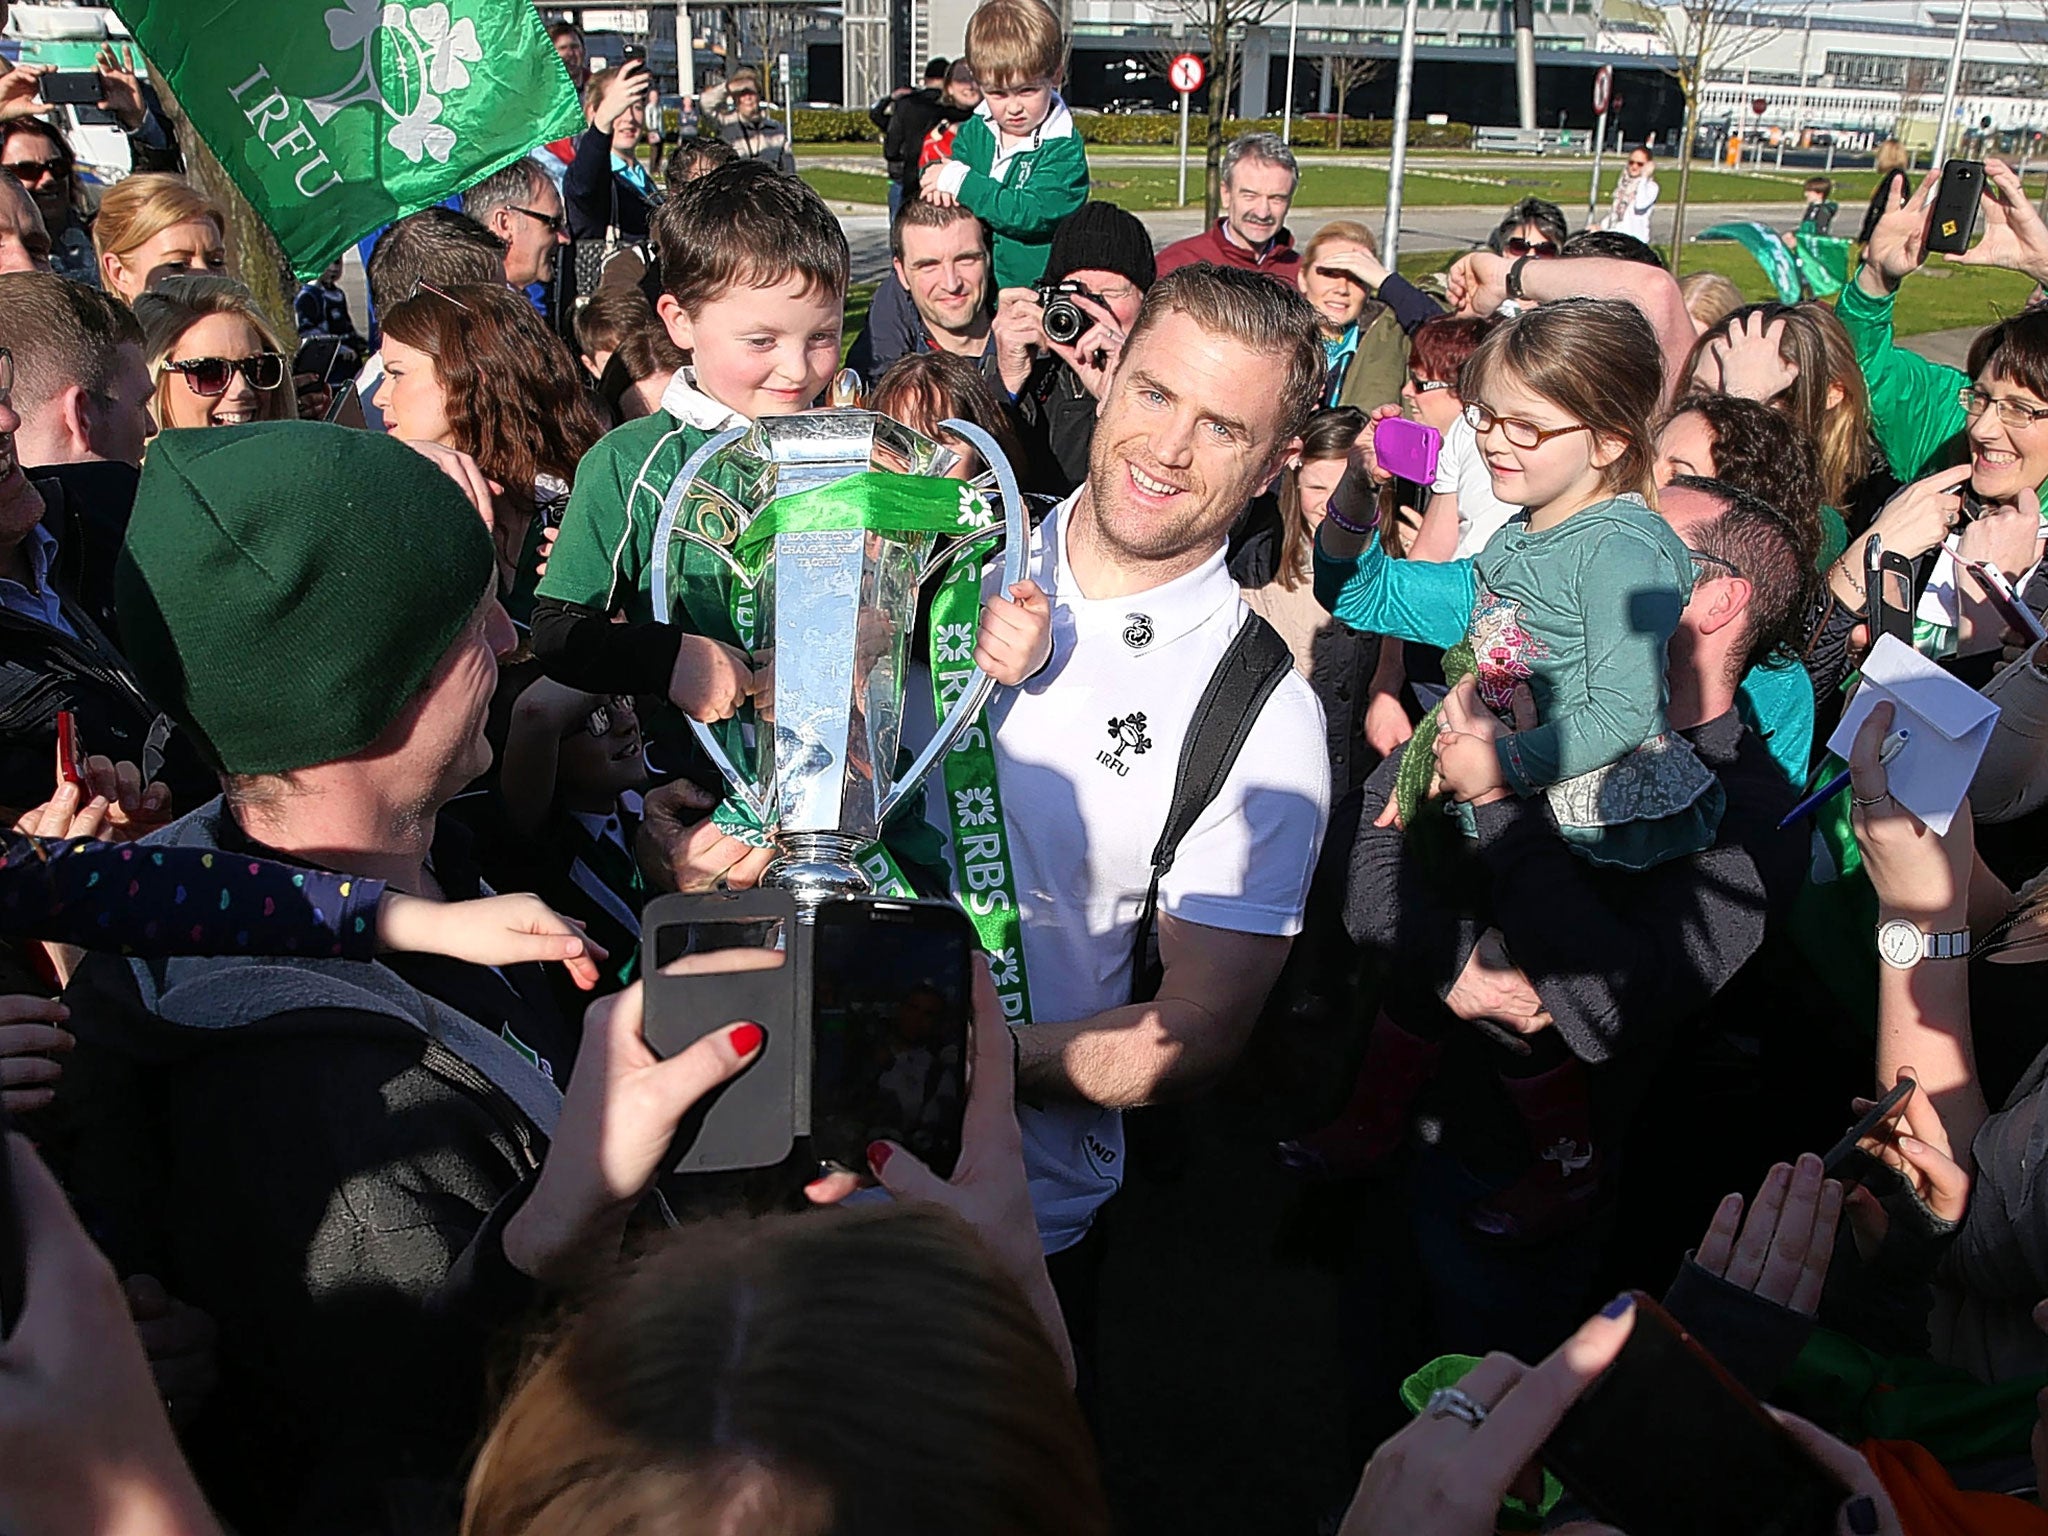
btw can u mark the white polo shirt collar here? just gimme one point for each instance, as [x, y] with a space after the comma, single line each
[1146, 622]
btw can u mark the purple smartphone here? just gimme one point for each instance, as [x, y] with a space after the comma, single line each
[1406, 448]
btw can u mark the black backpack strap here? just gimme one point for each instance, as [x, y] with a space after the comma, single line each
[1238, 689]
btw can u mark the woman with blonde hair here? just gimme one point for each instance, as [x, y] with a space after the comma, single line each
[215, 358]
[155, 226]
[1795, 358]
[1709, 298]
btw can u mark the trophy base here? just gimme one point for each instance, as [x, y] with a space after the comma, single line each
[817, 867]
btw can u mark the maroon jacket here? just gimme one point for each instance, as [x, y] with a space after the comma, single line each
[1281, 261]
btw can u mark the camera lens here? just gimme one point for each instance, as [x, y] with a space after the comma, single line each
[1064, 322]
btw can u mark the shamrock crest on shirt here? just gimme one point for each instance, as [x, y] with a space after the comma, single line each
[1130, 732]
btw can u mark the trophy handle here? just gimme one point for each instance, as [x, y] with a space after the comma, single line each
[1016, 553]
[664, 532]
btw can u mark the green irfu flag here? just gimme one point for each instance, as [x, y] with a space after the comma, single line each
[334, 119]
[1764, 243]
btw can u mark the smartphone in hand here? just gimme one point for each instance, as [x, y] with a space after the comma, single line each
[1406, 448]
[1667, 1443]
[1952, 220]
[1887, 592]
[71, 88]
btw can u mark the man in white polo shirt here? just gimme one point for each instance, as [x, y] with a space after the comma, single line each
[1218, 373]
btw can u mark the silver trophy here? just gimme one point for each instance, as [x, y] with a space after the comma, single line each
[838, 608]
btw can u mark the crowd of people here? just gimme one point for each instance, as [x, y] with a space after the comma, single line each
[346, 740]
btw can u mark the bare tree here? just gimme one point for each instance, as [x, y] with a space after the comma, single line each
[1223, 23]
[1705, 37]
[1347, 73]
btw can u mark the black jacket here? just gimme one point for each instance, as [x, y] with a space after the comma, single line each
[321, 1155]
[1618, 957]
[1055, 421]
[597, 198]
[910, 119]
[44, 671]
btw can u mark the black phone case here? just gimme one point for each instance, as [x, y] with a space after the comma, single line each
[1880, 617]
[1953, 219]
[1667, 1443]
[71, 88]
[753, 1120]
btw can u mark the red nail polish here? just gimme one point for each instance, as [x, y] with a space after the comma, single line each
[746, 1039]
[879, 1153]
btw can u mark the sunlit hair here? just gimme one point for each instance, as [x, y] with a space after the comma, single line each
[1338, 229]
[1441, 344]
[512, 393]
[1815, 343]
[1710, 298]
[175, 305]
[1328, 434]
[866, 1372]
[136, 209]
[747, 224]
[1254, 311]
[1597, 361]
[922, 389]
[2015, 350]
[1013, 42]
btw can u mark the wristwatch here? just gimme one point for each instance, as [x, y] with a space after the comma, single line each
[1515, 277]
[1903, 944]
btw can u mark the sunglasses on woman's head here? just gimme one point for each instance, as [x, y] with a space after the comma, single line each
[1520, 247]
[210, 376]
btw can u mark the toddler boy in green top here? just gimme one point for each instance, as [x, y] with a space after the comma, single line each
[1018, 164]
[754, 273]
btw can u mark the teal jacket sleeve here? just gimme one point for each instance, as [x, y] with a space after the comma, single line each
[1914, 412]
[1058, 184]
[1631, 599]
[1430, 604]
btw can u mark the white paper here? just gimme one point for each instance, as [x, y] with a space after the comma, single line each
[1950, 724]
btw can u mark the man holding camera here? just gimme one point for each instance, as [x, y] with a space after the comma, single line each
[1100, 265]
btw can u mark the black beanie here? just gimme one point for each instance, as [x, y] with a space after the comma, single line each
[1101, 237]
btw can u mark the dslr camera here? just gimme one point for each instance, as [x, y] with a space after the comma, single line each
[1064, 320]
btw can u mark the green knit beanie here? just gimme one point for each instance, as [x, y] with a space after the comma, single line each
[287, 587]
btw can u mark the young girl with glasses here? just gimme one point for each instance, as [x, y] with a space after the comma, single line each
[1574, 600]
[216, 360]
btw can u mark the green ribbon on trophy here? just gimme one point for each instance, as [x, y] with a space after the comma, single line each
[897, 504]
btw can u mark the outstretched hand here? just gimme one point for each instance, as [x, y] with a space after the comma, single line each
[619, 1118]
[2014, 235]
[496, 930]
[1015, 641]
[1898, 242]
[1780, 1250]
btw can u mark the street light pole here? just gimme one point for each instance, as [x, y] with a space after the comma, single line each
[1287, 90]
[1948, 90]
[1404, 91]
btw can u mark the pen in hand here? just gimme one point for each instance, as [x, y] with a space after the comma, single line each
[1834, 786]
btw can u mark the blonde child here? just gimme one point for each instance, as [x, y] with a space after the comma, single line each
[1018, 164]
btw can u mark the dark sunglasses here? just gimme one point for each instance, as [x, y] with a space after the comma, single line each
[210, 376]
[554, 221]
[1520, 247]
[29, 172]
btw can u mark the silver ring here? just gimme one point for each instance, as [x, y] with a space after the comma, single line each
[1867, 801]
[1450, 1403]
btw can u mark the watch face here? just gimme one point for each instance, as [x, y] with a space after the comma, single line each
[1898, 944]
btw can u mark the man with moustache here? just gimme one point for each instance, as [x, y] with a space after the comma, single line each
[1214, 380]
[1259, 179]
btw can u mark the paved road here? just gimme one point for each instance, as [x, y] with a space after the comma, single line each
[1422, 229]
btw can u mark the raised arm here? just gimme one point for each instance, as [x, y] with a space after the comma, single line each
[1478, 284]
